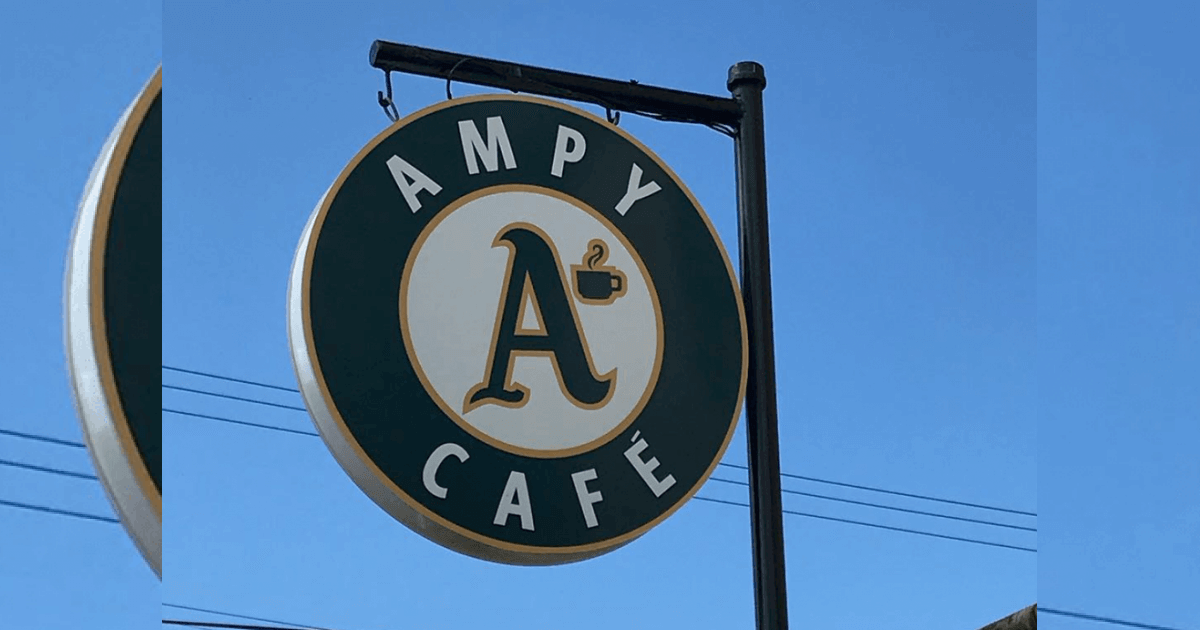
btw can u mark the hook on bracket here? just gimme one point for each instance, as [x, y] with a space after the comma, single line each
[386, 102]
[450, 76]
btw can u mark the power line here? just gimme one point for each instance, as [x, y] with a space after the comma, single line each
[713, 500]
[730, 481]
[241, 422]
[895, 492]
[238, 616]
[831, 518]
[232, 626]
[878, 526]
[738, 466]
[885, 507]
[51, 510]
[42, 438]
[53, 471]
[231, 397]
[231, 379]
[1110, 620]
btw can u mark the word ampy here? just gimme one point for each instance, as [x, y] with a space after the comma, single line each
[570, 147]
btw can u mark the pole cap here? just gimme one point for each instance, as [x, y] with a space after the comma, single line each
[746, 72]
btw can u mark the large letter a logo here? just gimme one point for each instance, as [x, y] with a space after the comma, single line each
[535, 287]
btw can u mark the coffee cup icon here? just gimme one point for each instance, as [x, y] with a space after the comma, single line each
[598, 285]
[594, 282]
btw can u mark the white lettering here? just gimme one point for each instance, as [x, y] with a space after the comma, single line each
[646, 469]
[635, 192]
[587, 499]
[515, 500]
[402, 172]
[475, 148]
[439, 455]
[563, 154]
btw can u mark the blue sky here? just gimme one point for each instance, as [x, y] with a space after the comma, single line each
[901, 148]
[985, 242]
[1119, 310]
[67, 72]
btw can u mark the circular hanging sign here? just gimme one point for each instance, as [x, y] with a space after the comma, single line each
[517, 330]
[113, 318]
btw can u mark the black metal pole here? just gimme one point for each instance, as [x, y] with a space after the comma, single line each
[629, 96]
[747, 82]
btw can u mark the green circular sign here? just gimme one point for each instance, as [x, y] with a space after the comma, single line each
[113, 318]
[517, 330]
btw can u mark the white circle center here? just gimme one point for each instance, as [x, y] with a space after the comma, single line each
[451, 301]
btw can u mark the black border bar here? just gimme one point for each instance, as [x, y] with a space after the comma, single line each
[627, 96]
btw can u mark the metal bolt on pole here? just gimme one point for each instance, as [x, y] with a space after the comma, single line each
[747, 80]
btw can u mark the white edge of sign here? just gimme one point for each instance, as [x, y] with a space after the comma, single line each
[113, 464]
